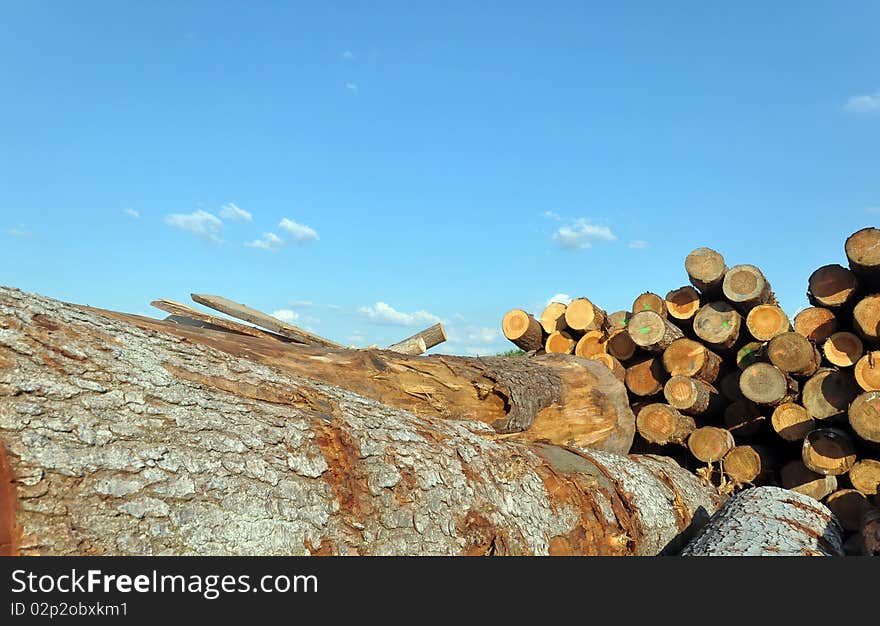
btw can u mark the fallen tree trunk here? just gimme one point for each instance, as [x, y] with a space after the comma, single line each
[123, 440]
[558, 398]
[769, 521]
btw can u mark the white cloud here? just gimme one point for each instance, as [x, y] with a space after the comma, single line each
[481, 335]
[550, 215]
[232, 212]
[382, 313]
[352, 88]
[269, 241]
[348, 55]
[564, 298]
[135, 215]
[299, 232]
[286, 315]
[18, 231]
[201, 223]
[867, 103]
[580, 234]
[638, 244]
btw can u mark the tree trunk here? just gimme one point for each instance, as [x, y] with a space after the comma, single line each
[751, 353]
[686, 357]
[798, 477]
[553, 397]
[747, 287]
[816, 324]
[652, 332]
[124, 440]
[662, 424]
[523, 330]
[612, 364]
[705, 268]
[432, 336]
[620, 345]
[870, 533]
[849, 506]
[744, 418]
[246, 313]
[769, 521]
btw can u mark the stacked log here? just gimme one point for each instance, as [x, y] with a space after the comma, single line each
[722, 379]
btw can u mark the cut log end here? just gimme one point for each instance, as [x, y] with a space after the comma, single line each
[850, 506]
[560, 342]
[686, 357]
[649, 301]
[746, 286]
[791, 421]
[864, 416]
[710, 444]
[816, 324]
[688, 395]
[866, 318]
[828, 393]
[611, 363]
[763, 383]
[553, 317]
[662, 424]
[751, 353]
[828, 451]
[798, 477]
[793, 354]
[867, 371]
[593, 342]
[718, 325]
[832, 286]
[865, 476]
[683, 303]
[646, 378]
[705, 268]
[843, 349]
[523, 330]
[744, 418]
[863, 252]
[621, 346]
[651, 331]
[748, 464]
[766, 321]
[582, 315]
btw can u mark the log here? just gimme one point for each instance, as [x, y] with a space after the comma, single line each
[751, 353]
[750, 464]
[865, 476]
[617, 321]
[690, 395]
[866, 318]
[553, 317]
[864, 416]
[649, 301]
[652, 332]
[646, 378]
[843, 349]
[815, 323]
[662, 424]
[682, 304]
[182, 310]
[718, 325]
[828, 393]
[686, 357]
[710, 444]
[432, 336]
[832, 287]
[798, 477]
[593, 342]
[620, 345]
[791, 421]
[523, 330]
[828, 451]
[867, 371]
[746, 287]
[766, 321]
[551, 396]
[769, 521]
[582, 315]
[870, 532]
[246, 313]
[705, 269]
[863, 253]
[612, 364]
[122, 439]
[744, 418]
[763, 383]
[414, 346]
[849, 506]
[793, 354]
[560, 342]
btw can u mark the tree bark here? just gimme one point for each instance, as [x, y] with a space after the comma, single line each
[769, 521]
[129, 440]
[432, 336]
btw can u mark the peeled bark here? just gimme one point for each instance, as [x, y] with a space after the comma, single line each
[769, 521]
[179, 310]
[137, 441]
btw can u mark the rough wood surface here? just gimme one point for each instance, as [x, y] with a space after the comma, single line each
[248, 314]
[710, 444]
[863, 252]
[865, 476]
[864, 416]
[690, 395]
[832, 286]
[705, 269]
[122, 439]
[747, 287]
[617, 321]
[650, 301]
[866, 318]
[620, 345]
[553, 317]
[718, 325]
[663, 424]
[828, 393]
[523, 330]
[843, 349]
[791, 421]
[683, 303]
[686, 357]
[769, 521]
[815, 323]
[867, 371]
[612, 364]
[432, 336]
[750, 464]
[413, 346]
[182, 310]
[560, 342]
[794, 354]
[751, 353]
[763, 383]
[582, 315]
[798, 477]
[646, 377]
[870, 532]
[766, 321]
[828, 451]
[593, 342]
[652, 332]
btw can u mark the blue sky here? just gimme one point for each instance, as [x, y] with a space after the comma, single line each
[421, 161]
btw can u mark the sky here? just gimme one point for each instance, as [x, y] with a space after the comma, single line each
[364, 170]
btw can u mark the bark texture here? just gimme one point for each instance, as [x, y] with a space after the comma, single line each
[769, 521]
[127, 440]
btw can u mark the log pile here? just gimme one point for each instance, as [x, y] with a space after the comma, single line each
[721, 379]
